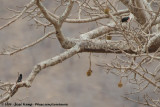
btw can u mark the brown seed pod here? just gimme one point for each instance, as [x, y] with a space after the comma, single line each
[106, 10]
[120, 84]
[108, 37]
[89, 72]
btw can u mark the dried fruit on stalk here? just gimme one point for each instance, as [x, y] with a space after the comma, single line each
[89, 72]
[120, 84]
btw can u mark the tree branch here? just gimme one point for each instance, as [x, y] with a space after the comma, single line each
[51, 20]
[51, 62]
[98, 31]
[42, 65]
[27, 46]
[19, 15]
[66, 12]
[141, 15]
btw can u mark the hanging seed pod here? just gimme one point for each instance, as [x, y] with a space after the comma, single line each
[120, 84]
[89, 72]
[106, 10]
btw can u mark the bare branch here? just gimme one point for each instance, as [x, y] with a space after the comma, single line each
[19, 15]
[27, 46]
[66, 12]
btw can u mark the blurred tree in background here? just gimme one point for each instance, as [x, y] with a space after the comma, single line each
[127, 29]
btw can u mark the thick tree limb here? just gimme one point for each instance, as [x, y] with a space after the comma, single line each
[52, 20]
[127, 39]
[105, 46]
[66, 12]
[42, 65]
[154, 43]
[141, 15]
[46, 13]
[98, 31]
[51, 62]
[154, 19]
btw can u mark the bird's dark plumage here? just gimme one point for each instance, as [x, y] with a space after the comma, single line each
[125, 19]
[19, 78]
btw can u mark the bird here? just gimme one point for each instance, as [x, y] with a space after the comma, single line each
[125, 19]
[19, 78]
